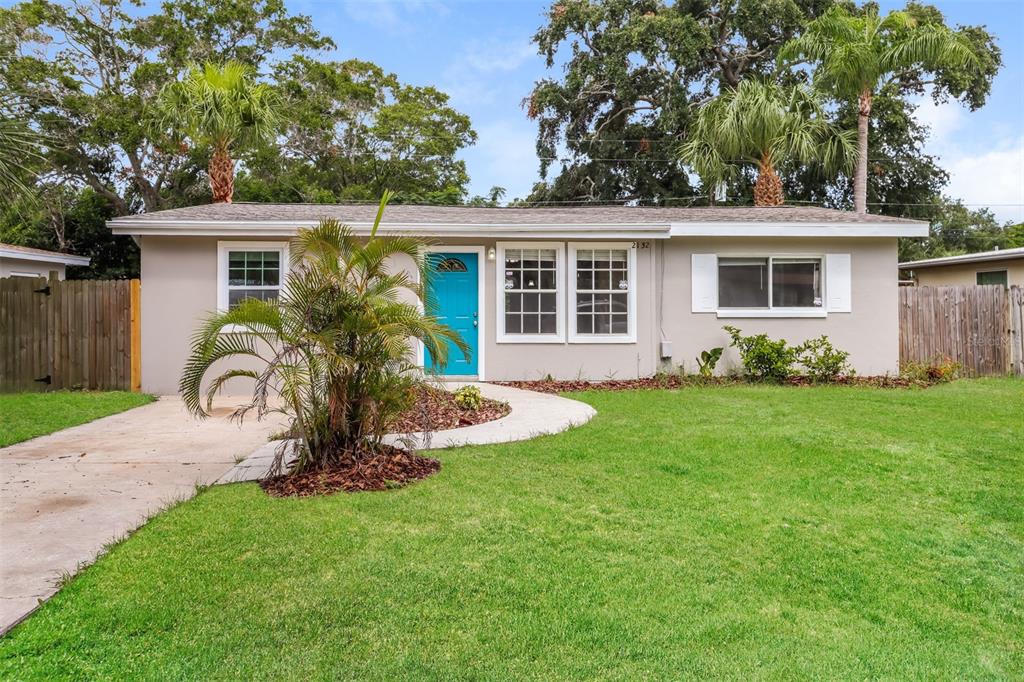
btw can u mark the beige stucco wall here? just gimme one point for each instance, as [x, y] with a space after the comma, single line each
[179, 287]
[967, 273]
[870, 333]
[10, 266]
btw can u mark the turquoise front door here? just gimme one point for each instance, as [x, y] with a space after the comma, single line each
[456, 304]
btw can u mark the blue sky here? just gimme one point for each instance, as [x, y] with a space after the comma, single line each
[481, 54]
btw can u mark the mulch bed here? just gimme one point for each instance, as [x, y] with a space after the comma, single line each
[388, 468]
[436, 410]
[680, 381]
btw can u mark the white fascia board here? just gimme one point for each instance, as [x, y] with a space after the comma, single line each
[966, 258]
[799, 230]
[63, 259]
[286, 228]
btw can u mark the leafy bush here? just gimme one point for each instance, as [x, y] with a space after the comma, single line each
[822, 360]
[469, 398]
[939, 370]
[334, 349]
[707, 361]
[762, 357]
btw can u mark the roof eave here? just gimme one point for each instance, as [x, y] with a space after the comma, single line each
[799, 229]
[959, 260]
[62, 259]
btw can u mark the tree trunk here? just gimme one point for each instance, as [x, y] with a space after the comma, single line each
[768, 188]
[222, 175]
[860, 180]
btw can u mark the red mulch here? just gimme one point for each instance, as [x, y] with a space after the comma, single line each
[679, 381]
[436, 410]
[388, 468]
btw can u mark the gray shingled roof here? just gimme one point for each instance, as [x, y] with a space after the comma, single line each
[468, 215]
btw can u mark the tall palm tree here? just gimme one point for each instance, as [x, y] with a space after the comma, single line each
[857, 55]
[221, 107]
[763, 124]
[336, 349]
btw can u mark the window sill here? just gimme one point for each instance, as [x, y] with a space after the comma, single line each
[789, 312]
[585, 338]
[531, 338]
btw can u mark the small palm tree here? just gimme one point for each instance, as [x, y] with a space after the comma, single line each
[19, 150]
[222, 108]
[763, 124]
[337, 350]
[856, 55]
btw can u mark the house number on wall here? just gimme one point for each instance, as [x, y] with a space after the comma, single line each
[641, 245]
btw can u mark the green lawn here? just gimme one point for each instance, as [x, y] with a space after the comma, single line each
[738, 532]
[27, 415]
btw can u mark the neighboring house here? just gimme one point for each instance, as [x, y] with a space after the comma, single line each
[21, 261]
[1002, 266]
[590, 292]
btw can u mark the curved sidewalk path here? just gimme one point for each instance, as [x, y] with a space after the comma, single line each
[533, 414]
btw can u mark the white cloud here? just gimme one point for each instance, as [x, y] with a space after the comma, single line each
[395, 16]
[478, 74]
[504, 155]
[985, 172]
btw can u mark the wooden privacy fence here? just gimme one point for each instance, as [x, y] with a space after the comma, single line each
[978, 326]
[69, 334]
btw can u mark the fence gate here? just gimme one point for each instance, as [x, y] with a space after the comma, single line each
[69, 334]
[977, 326]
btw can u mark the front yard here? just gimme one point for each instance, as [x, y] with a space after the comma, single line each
[742, 532]
[28, 415]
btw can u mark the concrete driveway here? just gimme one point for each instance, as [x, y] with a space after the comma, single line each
[65, 495]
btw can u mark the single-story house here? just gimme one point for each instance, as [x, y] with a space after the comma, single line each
[591, 292]
[21, 261]
[1002, 266]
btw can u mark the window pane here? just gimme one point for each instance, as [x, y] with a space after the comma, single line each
[548, 324]
[531, 325]
[531, 302]
[547, 279]
[236, 259]
[513, 302]
[584, 259]
[618, 258]
[620, 324]
[796, 283]
[547, 303]
[601, 259]
[619, 303]
[995, 277]
[236, 296]
[602, 324]
[602, 280]
[530, 258]
[602, 303]
[513, 323]
[513, 279]
[236, 276]
[271, 259]
[620, 280]
[271, 277]
[584, 324]
[584, 279]
[530, 279]
[743, 282]
[513, 258]
[546, 258]
[584, 303]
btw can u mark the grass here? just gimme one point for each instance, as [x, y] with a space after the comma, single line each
[28, 415]
[738, 532]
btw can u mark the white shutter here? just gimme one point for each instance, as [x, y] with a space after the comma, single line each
[838, 285]
[704, 282]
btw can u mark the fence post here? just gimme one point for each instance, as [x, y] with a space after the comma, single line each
[136, 342]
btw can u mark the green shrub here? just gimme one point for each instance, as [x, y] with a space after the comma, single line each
[469, 398]
[762, 357]
[707, 361]
[822, 360]
[939, 370]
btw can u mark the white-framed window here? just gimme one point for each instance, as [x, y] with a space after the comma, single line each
[602, 297]
[530, 288]
[775, 285]
[250, 270]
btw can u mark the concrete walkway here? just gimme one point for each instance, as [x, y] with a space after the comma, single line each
[65, 495]
[533, 414]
